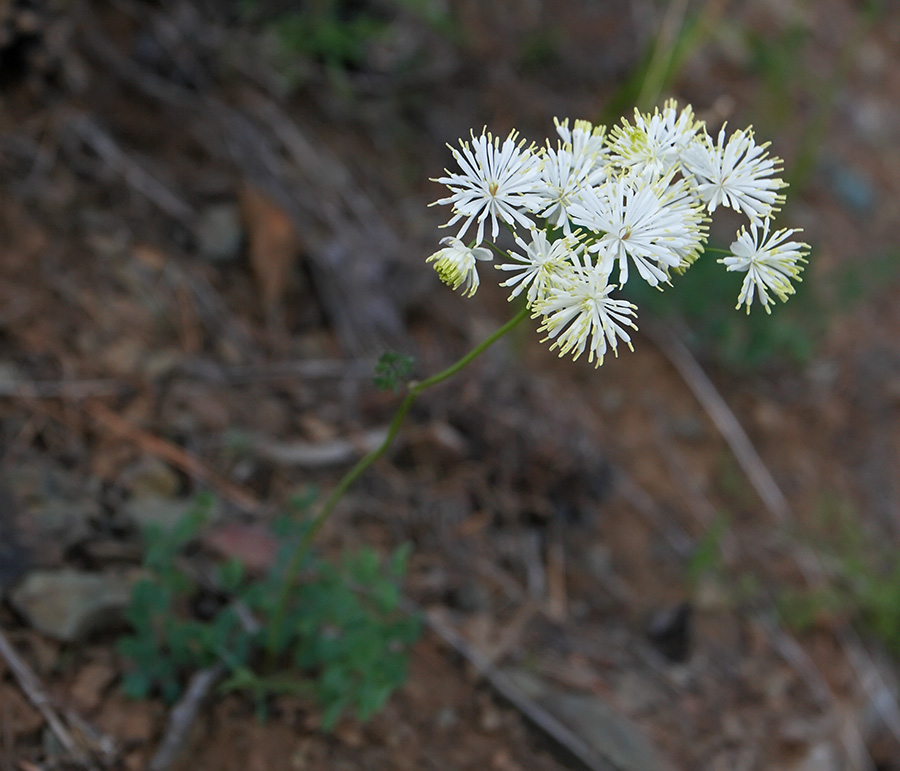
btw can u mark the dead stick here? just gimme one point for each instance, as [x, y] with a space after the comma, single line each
[508, 690]
[61, 389]
[190, 465]
[135, 175]
[183, 715]
[29, 684]
[728, 425]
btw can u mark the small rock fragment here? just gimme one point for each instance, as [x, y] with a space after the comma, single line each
[69, 605]
[219, 232]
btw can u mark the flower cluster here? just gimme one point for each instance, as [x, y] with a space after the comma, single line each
[589, 212]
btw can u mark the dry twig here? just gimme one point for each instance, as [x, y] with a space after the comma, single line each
[725, 421]
[190, 465]
[73, 390]
[505, 687]
[32, 689]
[333, 452]
[183, 715]
[141, 180]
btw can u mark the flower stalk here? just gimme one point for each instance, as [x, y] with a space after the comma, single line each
[295, 564]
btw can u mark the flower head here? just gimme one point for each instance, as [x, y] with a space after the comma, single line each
[770, 261]
[585, 140]
[542, 262]
[653, 145]
[580, 315]
[564, 175]
[737, 173]
[497, 181]
[456, 264]
[634, 222]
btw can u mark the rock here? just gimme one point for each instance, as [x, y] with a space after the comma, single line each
[669, 629]
[636, 693]
[819, 757]
[90, 685]
[612, 736]
[219, 232]
[253, 545]
[163, 512]
[69, 605]
[63, 522]
[150, 477]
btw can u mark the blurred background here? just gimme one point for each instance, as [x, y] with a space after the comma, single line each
[214, 220]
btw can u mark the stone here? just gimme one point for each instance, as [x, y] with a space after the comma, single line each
[70, 605]
[151, 477]
[219, 232]
[90, 685]
[153, 510]
[612, 736]
[63, 522]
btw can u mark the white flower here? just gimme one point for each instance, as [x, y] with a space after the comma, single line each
[579, 314]
[584, 140]
[540, 264]
[680, 200]
[497, 181]
[738, 174]
[456, 264]
[564, 175]
[633, 221]
[653, 146]
[771, 262]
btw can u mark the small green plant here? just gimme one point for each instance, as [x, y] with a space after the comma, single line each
[706, 558]
[343, 642]
[864, 581]
[337, 33]
[393, 371]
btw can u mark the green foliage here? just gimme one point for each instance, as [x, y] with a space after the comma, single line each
[864, 585]
[344, 643]
[393, 371]
[789, 334]
[338, 32]
[736, 340]
[707, 556]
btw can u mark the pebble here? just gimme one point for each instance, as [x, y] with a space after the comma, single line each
[220, 232]
[69, 605]
[612, 736]
[162, 512]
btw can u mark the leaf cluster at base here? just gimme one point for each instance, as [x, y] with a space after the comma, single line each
[344, 641]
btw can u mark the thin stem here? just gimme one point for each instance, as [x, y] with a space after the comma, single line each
[296, 562]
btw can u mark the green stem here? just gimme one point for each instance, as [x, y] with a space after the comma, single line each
[296, 562]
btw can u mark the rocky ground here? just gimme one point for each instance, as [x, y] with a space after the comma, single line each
[204, 247]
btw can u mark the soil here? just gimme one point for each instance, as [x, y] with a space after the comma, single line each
[172, 298]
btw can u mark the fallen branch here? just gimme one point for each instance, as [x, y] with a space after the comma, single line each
[509, 691]
[74, 390]
[190, 465]
[137, 177]
[333, 452]
[308, 369]
[725, 421]
[31, 687]
[183, 715]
